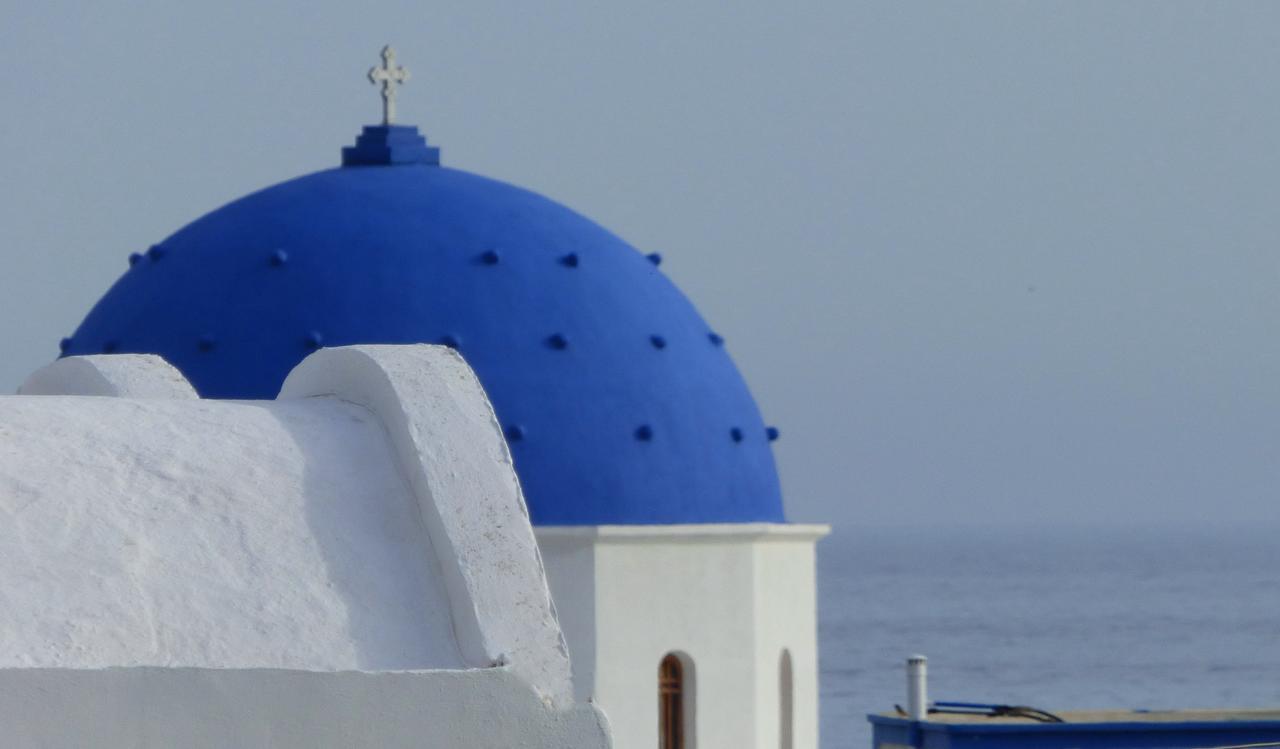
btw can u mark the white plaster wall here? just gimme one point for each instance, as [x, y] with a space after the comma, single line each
[786, 617]
[570, 569]
[111, 375]
[211, 533]
[179, 572]
[728, 597]
[161, 708]
[452, 452]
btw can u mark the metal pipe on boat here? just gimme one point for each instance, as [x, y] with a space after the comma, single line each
[917, 687]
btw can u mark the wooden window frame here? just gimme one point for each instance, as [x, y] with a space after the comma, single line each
[671, 703]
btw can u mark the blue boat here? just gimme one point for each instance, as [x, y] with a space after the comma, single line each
[949, 725]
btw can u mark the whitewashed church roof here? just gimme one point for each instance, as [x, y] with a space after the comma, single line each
[213, 534]
[369, 519]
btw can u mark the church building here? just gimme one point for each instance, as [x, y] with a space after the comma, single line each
[350, 403]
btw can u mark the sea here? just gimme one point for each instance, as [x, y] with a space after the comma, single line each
[1057, 619]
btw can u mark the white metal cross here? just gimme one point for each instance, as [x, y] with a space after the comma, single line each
[389, 75]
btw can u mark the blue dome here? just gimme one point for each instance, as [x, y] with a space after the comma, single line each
[619, 402]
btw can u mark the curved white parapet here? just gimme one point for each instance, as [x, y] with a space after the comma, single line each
[451, 449]
[212, 534]
[112, 375]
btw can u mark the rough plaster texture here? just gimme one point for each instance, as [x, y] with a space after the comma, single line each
[119, 375]
[164, 708]
[451, 450]
[727, 598]
[181, 572]
[211, 533]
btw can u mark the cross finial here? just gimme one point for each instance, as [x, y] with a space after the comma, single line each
[389, 75]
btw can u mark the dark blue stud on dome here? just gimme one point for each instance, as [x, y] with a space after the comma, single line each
[205, 343]
[570, 260]
[450, 340]
[314, 340]
[772, 433]
[279, 258]
[644, 433]
[557, 342]
[658, 341]
[134, 258]
[109, 347]
[735, 434]
[655, 258]
[156, 252]
[715, 338]
[515, 433]
[490, 257]
[64, 345]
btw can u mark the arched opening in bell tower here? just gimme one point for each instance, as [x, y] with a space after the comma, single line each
[675, 702]
[786, 702]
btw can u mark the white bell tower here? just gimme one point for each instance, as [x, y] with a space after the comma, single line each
[700, 635]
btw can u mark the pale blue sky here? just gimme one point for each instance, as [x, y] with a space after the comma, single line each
[982, 263]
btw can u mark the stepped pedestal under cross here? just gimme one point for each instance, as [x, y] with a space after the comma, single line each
[389, 144]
